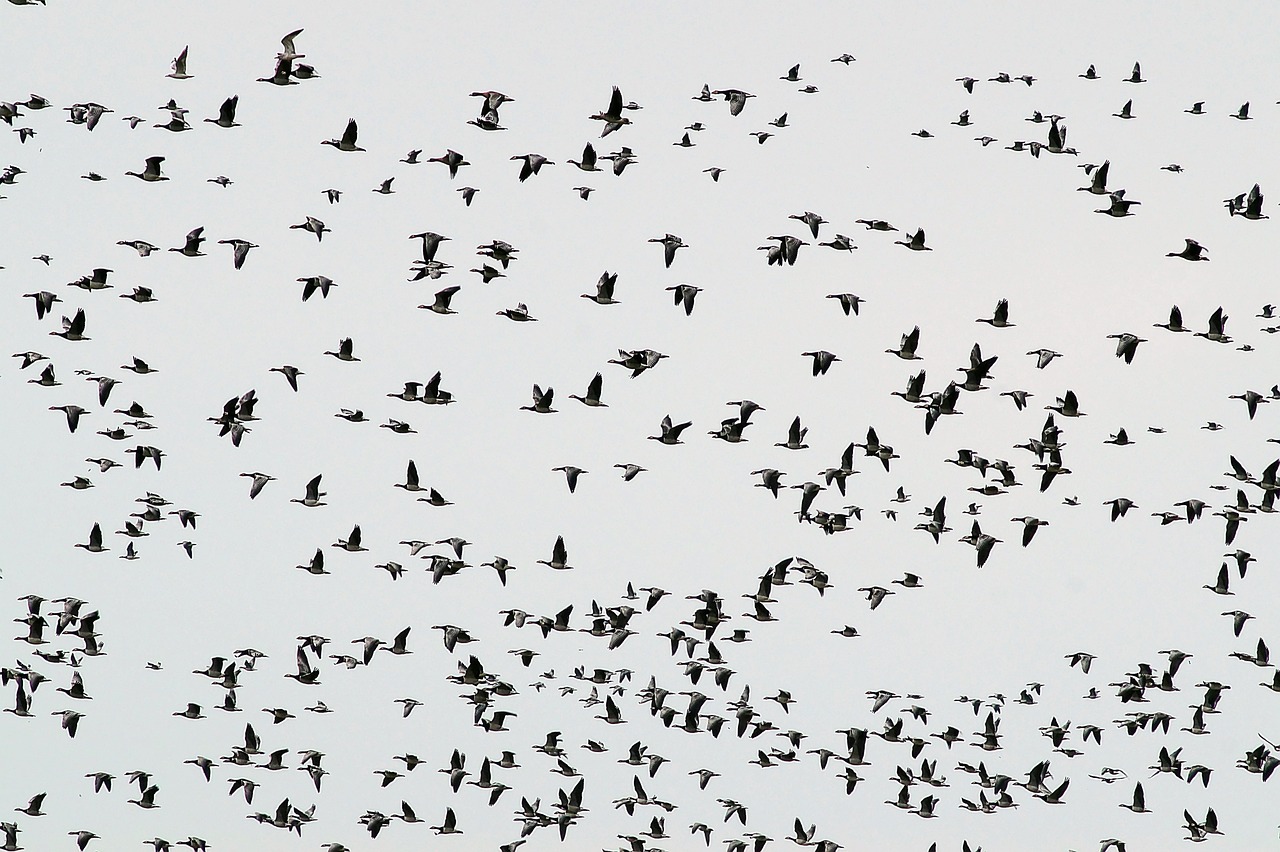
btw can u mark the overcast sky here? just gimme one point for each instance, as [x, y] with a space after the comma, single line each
[1000, 225]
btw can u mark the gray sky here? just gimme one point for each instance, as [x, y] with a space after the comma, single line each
[1001, 225]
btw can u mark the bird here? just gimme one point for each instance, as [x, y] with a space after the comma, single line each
[314, 226]
[670, 243]
[670, 432]
[592, 397]
[822, 361]
[240, 249]
[736, 98]
[1126, 345]
[226, 113]
[532, 164]
[346, 348]
[443, 299]
[907, 347]
[1119, 206]
[313, 494]
[915, 243]
[1000, 317]
[453, 160]
[348, 140]
[683, 295]
[1192, 251]
[151, 173]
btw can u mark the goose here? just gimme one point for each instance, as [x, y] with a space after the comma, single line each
[151, 173]
[542, 401]
[1098, 183]
[314, 226]
[736, 98]
[442, 300]
[670, 432]
[1126, 111]
[283, 73]
[315, 283]
[1029, 527]
[822, 361]
[922, 133]
[684, 294]
[431, 393]
[795, 436]
[907, 348]
[1119, 206]
[1057, 141]
[95, 541]
[559, 560]
[142, 247]
[453, 160]
[808, 493]
[1066, 405]
[592, 397]
[47, 379]
[967, 82]
[487, 122]
[532, 164]
[1251, 399]
[492, 99]
[771, 479]
[670, 243]
[637, 360]
[240, 249]
[1217, 328]
[399, 427]
[72, 412]
[30, 358]
[177, 122]
[1136, 75]
[520, 313]
[1175, 321]
[1192, 251]
[96, 281]
[1000, 317]
[1126, 345]
[226, 113]
[915, 243]
[571, 475]
[487, 273]
[501, 251]
[612, 117]
[345, 349]
[313, 494]
[348, 140]
[1243, 113]
[1253, 205]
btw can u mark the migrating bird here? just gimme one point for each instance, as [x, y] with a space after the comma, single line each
[915, 243]
[1192, 251]
[151, 173]
[612, 117]
[670, 243]
[348, 140]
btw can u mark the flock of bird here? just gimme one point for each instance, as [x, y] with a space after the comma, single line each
[688, 675]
